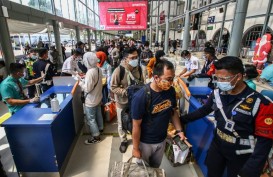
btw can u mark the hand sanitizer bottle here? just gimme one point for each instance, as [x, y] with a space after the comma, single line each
[55, 106]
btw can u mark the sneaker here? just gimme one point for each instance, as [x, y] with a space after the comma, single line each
[92, 141]
[123, 147]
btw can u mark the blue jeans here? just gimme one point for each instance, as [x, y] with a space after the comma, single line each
[94, 119]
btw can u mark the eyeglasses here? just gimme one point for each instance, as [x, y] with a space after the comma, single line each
[168, 80]
[223, 79]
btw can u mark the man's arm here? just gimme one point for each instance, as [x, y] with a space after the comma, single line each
[189, 73]
[182, 72]
[17, 102]
[116, 85]
[136, 137]
[177, 124]
[34, 81]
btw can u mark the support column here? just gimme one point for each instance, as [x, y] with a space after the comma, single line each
[5, 42]
[158, 21]
[78, 36]
[237, 28]
[151, 31]
[100, 35]
[30, 43]
[186, 34]
[166, 43]
[57, 39]
[96, 37]
[267, 16]
[88, 38]
[222, 28]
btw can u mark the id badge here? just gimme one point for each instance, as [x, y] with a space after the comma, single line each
[229, 125]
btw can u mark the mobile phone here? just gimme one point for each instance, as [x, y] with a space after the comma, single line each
[180, 143]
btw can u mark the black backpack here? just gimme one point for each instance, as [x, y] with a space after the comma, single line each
[126, 114]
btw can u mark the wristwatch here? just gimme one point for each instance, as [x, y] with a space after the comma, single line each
[178, 131]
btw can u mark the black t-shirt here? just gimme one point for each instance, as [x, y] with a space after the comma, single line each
[161, 108]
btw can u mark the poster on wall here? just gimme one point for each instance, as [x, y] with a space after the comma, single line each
[123, 15]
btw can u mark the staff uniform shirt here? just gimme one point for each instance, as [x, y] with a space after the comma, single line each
[192, 63]
[70, 66]
[10, 89]
[161, 108]
[39, 66]
[245, 125]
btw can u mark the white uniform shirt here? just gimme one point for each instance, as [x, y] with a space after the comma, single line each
[70, 66]
[192, 63]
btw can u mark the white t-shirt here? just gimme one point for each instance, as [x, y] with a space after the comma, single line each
[192, 63]
[70, 66]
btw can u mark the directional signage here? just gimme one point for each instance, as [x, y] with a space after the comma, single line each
[124, 32]
[211, 19]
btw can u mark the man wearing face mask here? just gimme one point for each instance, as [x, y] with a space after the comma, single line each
[12, 88]
[191, 63]
[243, 134]
[119, 84]
[150, 129]
[208, 69]
[28, 62]
[145, 57]
[70, 66]
[44, 66]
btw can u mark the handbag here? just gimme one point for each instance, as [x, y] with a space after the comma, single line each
[110, 111]
[170, 152]
[129, 169]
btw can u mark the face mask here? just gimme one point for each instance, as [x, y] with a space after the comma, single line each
[164, 85]
[133, 63]
[225, 86]
[34, 57]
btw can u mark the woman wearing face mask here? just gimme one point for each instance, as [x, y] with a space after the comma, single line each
[126, 74]
[106, 74]
[242, 114]
[70, 66]
[153, 61]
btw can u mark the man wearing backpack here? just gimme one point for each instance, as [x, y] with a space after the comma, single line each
[145, 57]
[151, 114]
[128, 73]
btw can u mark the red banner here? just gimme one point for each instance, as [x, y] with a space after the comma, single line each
[123, 15]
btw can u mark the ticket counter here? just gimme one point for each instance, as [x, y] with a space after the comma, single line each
[39, 139]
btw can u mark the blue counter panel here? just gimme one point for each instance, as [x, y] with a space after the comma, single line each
[200, 134]
[41, 145]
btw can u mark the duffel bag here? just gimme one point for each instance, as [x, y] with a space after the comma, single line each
[110, 111]
[129, 169]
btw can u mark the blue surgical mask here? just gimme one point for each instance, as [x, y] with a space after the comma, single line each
[133, 63]
[34, 57]
[225, 86]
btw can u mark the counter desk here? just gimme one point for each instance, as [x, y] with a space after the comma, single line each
[39, 139]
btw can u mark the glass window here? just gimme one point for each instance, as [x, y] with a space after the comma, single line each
[97, 22]
[91, 18]
[96, 7]
[58, 7]
[72, 10]
[89, 4]
[31, 3]
[81, 12]
[249, 39]
[65, 8]
[46, 6]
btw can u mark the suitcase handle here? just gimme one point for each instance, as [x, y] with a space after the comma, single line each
[130, 162]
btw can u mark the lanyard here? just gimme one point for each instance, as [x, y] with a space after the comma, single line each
[21, 89]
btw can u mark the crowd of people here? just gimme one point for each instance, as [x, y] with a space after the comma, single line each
[106, 74]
